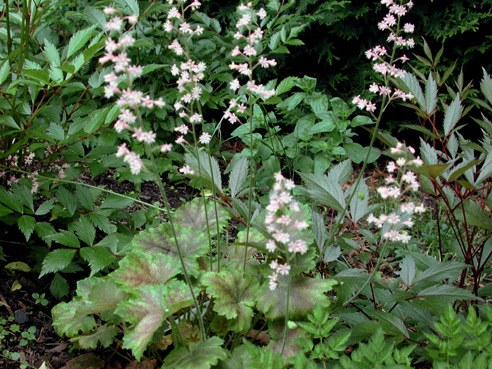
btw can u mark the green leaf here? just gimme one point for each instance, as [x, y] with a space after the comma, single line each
[116, 202]
[438, 272]
[445, 290]
[65, 238]
[67, 199]
[206, 170]
[485, 85]
[10, 200]
[286, 85]
[9, 121]
[485, 170]
[84, 230]
[199, 355]
[234, 295]
[87, 196]
[51, 53]
[147, 309]
[357, 153]
[59, 286]
[94, 296]
[104, 335]
[97, 257]
[79, 39]
[95, 120]
[131, 5]
[323, 190]
[193, 243]
[304, 294]
[41, 75]
[143, 269]
[452, 115]
[57, 260]
[192, 215]
[4, 71]
[414, 87]
[238, 176]
[407, 270]
[26, 225]
[359, 205]
[45, 207]
[430, 95]
[475, 215]
[56, 132]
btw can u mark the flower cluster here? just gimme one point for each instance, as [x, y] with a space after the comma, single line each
[128, 99]
[384, 62]
[399, 181]
[284, 221]
[246, 59]
[189, 73]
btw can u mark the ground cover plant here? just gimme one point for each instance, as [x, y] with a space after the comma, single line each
[310, 234]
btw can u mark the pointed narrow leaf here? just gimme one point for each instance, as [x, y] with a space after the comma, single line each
[407, 270]
[4, 72]
[452, 115]
[78, 40]
[430, 95]
[414, 87]
[56, 260]
[26, 224]
[485, 86]
[449, 291]
[206, 170]
[238, 175]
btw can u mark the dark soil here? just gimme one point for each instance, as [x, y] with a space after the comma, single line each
[19, 310]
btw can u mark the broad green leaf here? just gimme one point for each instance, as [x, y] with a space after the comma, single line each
[319, 230]
[104, 335]
[79, 39]
[304, 294]
[67, 199]
[192, 214]
[102, 222]
[59, 286]
[200, 355]
[95, 120]
[452, 115]
[430, 95]
[97, 257]
[147, 309]
[142, 269]
[414, 87]
[94, 296]
[44, 230]
[238, 176]
[234, 296]
[407, 270]
[4, 72]
[57, 260]
[193, 243]
[26, 224]
[24, 195]
[206, 170]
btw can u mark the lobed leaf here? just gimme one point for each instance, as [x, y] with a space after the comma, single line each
[199, 355]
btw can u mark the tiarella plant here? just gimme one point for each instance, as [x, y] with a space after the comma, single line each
[288, 255]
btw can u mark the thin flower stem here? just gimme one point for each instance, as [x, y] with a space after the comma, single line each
[286, 320]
